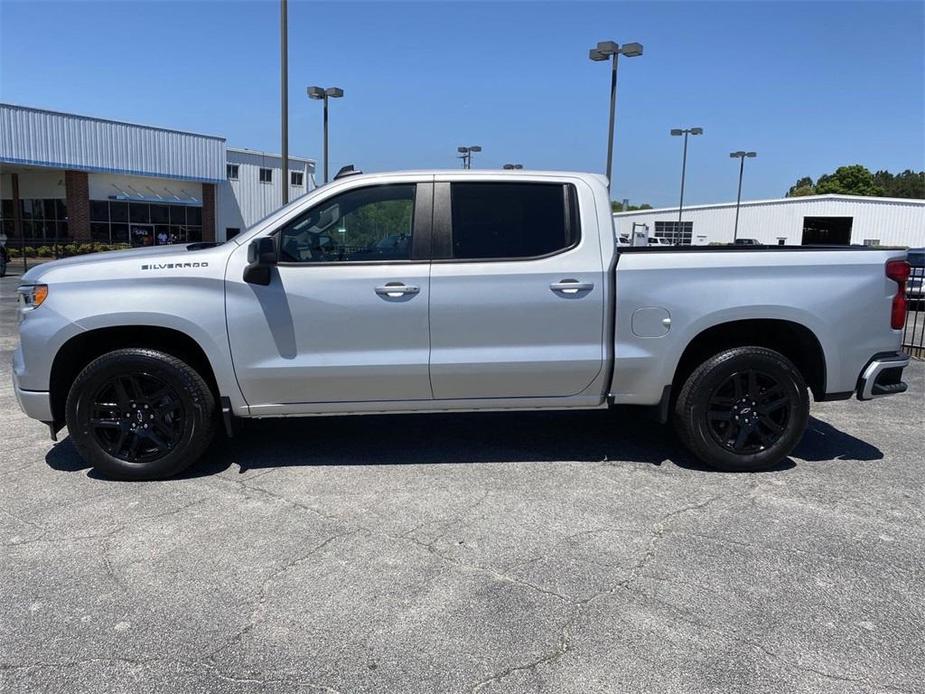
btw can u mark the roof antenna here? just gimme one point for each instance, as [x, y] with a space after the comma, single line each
[347, 171]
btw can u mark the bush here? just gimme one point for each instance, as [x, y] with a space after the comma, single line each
[65, 250]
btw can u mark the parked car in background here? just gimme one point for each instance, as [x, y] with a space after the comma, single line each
[746, 242]
[915, 287]
[659, 241]
[508, 295]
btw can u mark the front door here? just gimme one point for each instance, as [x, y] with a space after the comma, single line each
[344, 318]
[517, 292]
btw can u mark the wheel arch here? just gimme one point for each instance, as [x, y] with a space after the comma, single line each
[84, 347]
[794, 340]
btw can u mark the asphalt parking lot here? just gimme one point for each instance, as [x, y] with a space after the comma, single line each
[535, 552]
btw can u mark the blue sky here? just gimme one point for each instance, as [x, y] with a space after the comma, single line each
[809, 86]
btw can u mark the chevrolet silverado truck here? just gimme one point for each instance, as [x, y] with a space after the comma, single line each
[447, 292]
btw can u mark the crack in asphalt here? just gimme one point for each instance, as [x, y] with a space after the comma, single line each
[257, 678]
[565, 637]
[564, 641]
[690, 619]
[263, 595]
[109, 533]
[801, 552]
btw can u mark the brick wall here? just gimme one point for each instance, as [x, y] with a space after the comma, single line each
[77, 186]
[208, 211]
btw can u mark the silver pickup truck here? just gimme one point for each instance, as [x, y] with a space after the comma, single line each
[451, 291]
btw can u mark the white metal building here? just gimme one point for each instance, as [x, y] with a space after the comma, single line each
[813, 219]
[253, 187]
[66, 178]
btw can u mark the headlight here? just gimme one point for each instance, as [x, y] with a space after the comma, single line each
[32, 295]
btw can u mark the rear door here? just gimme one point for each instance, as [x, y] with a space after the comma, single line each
[517, 289]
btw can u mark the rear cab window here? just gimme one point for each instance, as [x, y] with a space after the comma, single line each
[512, 221]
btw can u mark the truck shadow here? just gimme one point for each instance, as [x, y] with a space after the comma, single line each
[822, 441]
[623, 435]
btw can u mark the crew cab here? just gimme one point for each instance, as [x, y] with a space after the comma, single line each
[445, 291]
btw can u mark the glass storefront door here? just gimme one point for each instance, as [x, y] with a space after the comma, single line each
[143, 235]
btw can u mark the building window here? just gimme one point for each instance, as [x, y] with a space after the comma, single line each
[144, 224]
[43, 220]
[674, 234]
[231, 232]
[266, 175]
[231, 172]
[782, 241]
[296, 178]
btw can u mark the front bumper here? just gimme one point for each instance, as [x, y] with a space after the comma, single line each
[35, 403]
[883, 376]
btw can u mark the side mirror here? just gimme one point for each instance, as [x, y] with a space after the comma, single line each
[261, 256]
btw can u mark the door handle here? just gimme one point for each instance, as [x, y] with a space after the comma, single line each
[396, 290]
[571, 286]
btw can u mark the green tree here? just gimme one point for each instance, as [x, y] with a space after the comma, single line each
[617, 206]
[849, 180]
[857, 180]
[908, 184]
[804, 186]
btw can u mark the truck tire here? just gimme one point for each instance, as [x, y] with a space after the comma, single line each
[742, 410]
[140, 414]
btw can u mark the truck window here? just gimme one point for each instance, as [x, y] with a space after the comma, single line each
[512, 220]
[364, 224]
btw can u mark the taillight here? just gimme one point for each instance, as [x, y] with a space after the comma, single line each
[898, 271]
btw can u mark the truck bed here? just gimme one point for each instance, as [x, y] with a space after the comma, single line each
[667, 297]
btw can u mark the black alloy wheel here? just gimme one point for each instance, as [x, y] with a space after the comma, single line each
[743, 409]
[137, 417]
[748, 412]
[139, 413]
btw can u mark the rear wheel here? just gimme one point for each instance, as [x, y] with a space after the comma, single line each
[743, 409]
[140, 414]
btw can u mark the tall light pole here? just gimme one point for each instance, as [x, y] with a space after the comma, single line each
[740, 155]
[466, 154]
[284, 93]
[685, 132]
[612, 50]
[324, 94]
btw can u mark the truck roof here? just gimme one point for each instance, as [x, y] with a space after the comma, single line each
[481, 173]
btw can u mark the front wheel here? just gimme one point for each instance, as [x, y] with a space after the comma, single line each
[742, 410]
[140, 414]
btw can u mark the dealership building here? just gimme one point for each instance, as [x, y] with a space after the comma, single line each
[66, 178]
[813, 219]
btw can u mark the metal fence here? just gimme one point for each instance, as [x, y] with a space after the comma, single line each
[914, 332]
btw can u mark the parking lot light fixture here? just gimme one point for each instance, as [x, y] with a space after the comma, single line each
[600, 53]
[323, 94]
[741, 155]
[677, 132]
[466, 154]
[631, 50]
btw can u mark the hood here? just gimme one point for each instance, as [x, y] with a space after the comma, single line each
[107, 262]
